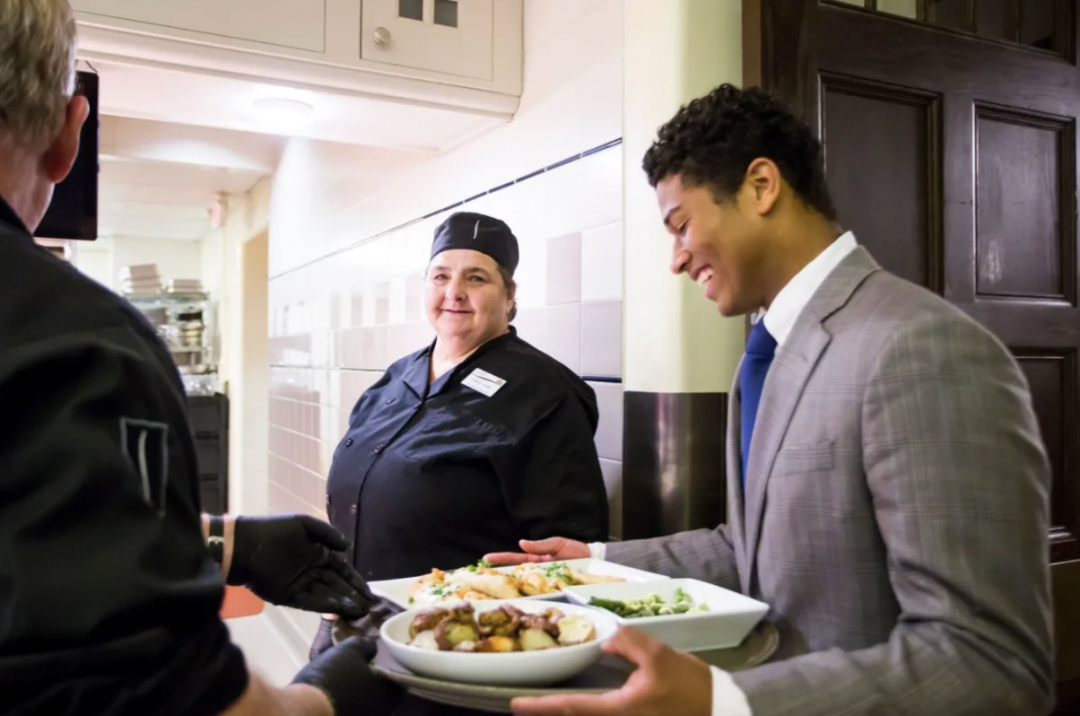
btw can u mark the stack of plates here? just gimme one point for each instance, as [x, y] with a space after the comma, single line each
[140, 281]
[183, 285]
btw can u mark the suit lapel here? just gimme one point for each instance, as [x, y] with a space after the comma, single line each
[791, 369]
[734, 478]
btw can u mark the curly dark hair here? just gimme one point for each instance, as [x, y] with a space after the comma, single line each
[712, 140]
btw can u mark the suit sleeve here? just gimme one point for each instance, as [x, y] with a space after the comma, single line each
[552, 483]
[109, 598]
[960, 484]
[696, 554]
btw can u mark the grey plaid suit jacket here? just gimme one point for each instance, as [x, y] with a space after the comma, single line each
[896, 518]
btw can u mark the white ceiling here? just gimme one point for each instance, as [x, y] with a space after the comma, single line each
[173, 141]
[206, 100]
[159, 181]
[158, 200]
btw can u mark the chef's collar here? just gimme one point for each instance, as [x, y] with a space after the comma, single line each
[9, 217]
[416, 375]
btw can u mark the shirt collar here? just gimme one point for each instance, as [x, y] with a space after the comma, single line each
[9, 217]
[416, 375]
[793, 297]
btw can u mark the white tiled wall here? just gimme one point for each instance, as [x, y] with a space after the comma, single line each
[345, 290]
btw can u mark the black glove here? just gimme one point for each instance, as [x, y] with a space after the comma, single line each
[343, 673]
[324, 639]
[296, 561]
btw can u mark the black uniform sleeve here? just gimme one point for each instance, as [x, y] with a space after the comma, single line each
[108, 597]
[553, 483]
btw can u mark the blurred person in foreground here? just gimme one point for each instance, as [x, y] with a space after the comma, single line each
[109, 595]
[887, 483]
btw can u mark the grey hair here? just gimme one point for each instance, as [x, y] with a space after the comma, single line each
[37, 69]
[511, 291]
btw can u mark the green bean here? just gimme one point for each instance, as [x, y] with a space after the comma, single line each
[651, 605]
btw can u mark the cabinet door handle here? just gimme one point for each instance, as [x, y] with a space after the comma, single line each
[382, 36]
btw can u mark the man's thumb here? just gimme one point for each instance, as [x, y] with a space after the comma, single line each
[633, 645]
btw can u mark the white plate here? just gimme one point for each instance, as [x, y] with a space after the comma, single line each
[729, 619]
[522, 668]
[397, 590]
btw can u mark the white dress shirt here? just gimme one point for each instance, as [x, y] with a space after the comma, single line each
[727, 698]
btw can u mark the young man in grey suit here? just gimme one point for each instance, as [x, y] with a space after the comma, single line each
[888, 485]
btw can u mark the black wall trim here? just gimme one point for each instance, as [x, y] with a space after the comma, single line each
[550, 167]
[673, 462]
[602, 379]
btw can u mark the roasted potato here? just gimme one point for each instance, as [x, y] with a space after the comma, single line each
[425, 640]
[466, 646]
[427, 620]
[498, 645]
[536, 640]
[462, 612]
[575, 630]
[553, 615]
[503, 621]
[540, 623]
[451, 632]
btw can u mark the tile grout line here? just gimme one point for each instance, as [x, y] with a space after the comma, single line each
[382, 234]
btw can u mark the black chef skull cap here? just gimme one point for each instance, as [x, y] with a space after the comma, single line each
[478, 232]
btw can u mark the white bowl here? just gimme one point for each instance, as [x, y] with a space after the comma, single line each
[729, 619]
[522, 668]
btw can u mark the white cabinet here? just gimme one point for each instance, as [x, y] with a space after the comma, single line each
[465, 55]
[293, 24]
[455, 37]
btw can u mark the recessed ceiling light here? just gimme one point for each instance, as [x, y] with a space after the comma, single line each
[282, 114]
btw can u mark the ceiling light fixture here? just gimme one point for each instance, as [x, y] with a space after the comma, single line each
[282, 114]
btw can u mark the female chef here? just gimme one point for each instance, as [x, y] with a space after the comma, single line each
[473, 443]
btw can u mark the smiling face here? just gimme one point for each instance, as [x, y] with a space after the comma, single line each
[465, 298]
[722, 246]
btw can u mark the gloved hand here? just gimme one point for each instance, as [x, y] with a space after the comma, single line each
[324, 638]
[343, 673]
[297, 561]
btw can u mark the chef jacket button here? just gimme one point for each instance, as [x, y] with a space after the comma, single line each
[352, 508]
[379, 448]
[348, 442]
[391, 401]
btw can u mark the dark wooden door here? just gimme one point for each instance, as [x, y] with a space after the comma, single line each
[949, 129]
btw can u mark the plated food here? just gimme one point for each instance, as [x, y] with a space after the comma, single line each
[498, 631]
[481, 582]
[516, 643]
[651, 605]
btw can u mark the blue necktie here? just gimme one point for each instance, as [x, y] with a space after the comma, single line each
[760, 350]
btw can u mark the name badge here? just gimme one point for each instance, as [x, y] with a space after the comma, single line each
[483, 382]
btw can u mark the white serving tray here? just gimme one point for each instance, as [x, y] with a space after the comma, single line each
[730, 618]
[397, 590]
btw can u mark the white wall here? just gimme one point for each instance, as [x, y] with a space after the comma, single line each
[226, 264]
[345, 272]
[103, 259]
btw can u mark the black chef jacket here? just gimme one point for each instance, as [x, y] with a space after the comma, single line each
[108, 596]
[439, 476]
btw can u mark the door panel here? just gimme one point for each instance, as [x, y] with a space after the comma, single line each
[896, 127]
[952, 154]
[1022, 172]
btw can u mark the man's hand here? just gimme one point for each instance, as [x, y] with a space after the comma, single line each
[546, 550]
[297, 561]
[344, 674]
[666, 683]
